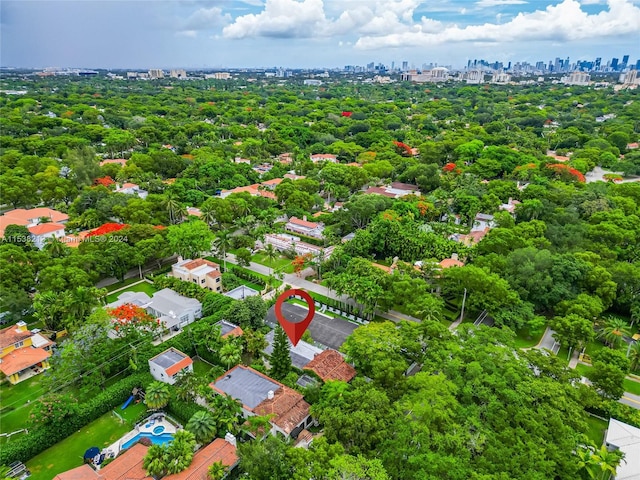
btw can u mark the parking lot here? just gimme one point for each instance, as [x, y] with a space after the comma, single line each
[328, 331]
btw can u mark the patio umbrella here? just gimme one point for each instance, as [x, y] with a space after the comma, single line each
[92, 452]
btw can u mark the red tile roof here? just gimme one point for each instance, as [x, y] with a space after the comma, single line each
[273, 181]
[303, 223]
[119, 161]
[128, 466]
[323, 156]
[236, 332]
[329, 365]
[13, 334]
[379, 191]
[451, 262]
[44, 228]
[217, 451]
[198, 262]
[176, 367]
[22, 358]
[288, 408]
[84, 472]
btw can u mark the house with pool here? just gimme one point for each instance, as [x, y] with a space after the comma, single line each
[23, 352]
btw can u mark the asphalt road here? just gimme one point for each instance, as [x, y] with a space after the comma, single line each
[328, 331]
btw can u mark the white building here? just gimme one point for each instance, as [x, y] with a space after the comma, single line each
[500, 78]
[166, 366]
[132, 189]
[438, 74]
[42, 232]
[624, 437]
[283, 242]
[218, 76]
[156, 73]
[474, 77]
[577, 78]
[304, 227]
[200, 271]
[312, 82]
[178, 73]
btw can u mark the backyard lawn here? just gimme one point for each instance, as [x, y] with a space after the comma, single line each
[116, 286]
[13, 400]
[143, 286]
[526, 339]
[202, 369]
[68, 453]
[595, 430]
[279, 264]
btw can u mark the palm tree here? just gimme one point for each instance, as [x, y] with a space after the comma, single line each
[180, 451]
[208, 214]
[634, 355]
[230, 353]
[80, 302]
[203, 426]
[614, 331]
[155, 461]
[222, 244]
[607, 461]
[48, 309]
[271, 253]
[217, 471]
[157, 395]
[174, 208]
[586, 461]
[55, 248]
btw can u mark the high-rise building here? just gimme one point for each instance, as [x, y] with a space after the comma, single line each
[598, 62]
[638, 64]
[625, 61]
[156, 73]
[405, 65]
[614, 64]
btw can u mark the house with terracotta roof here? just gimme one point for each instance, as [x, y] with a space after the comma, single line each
[114, 161]
[228, 329]
[294, 176]
[395, 190]
[324, 157]
[272, 184]
[285, 158]
[200, 271]
[166, 366]
[304, 227]
[23, 353]
[451, 262]
[261, 395]
[44, 231]
[131, 189]
[129, 464]
[283, 242]
[254, 190]
[31, 217]
[330, 365]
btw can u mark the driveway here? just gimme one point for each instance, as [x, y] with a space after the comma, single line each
[327, 331]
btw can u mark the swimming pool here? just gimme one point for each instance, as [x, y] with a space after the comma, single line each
[155, 439]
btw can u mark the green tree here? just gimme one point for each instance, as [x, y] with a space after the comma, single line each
[230, 353]
[280, 358]
[572, 331]
[203, 426]
[155, 461]
[614, 331]
[190, 239]
[610, 367]
[222, 243]
[243, 255]
[216, 471]
[157, 395]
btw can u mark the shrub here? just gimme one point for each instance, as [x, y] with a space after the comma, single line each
[42, 437]
[183, 411]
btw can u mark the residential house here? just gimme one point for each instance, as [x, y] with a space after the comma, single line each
[451, 262]
[228, 329]
[324, 157]
[262, 168]
[129, 464]
[395, 190]
[471, 238]
[301, 354]
[241, 292]
[173, 310]
[283, 242]
[272, 184]
[330, 365]
[625, 438]
[44, 231]
[23, 353]
[255, 190]
[482, 222]
[200, 271]
[261, 395]
[194, 211]
[131, 189]
[285, 158]
[31, 217]
[166, 366]
[293, 176]
[510, 206]
[304, 227]
[111, 161]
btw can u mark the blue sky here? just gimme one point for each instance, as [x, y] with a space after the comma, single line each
[311, 33]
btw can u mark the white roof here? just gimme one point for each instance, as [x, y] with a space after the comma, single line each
[627, 439]
[39, 341]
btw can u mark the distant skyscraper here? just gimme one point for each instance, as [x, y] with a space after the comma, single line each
[625, 61]
[598, 62]
[405, 66]
[614, 64]
[638, 64]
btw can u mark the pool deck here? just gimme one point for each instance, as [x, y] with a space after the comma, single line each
[147, 426]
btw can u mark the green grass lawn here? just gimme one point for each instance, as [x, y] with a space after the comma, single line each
[525, 338]
[143, 286]
[68, 453]
[118, 285]
[595, 430]
[13, 402]
[278, 264]
[583, 369]
[632, 386]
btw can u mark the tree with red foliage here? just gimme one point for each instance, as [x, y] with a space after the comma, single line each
[449, 167]
[106, 229]
[128, 316]
[347, 114]
[403, 148]
[567, 172]
[300, 262]
[104, 181]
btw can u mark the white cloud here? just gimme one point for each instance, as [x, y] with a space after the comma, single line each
[497, 3]
[187, 33]
[206, 18]
[565, 21]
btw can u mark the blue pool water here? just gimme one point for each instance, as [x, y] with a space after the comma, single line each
[156, 439]
[158, 430]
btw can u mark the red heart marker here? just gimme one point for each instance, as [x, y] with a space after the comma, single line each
[294, 330]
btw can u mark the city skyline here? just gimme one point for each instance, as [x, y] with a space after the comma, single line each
[312, 33]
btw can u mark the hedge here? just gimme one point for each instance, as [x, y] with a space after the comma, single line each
[183, 411]
[42, 437]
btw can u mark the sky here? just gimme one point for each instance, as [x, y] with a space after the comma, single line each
[311, 33]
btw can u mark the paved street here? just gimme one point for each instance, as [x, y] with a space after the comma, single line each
[631, 400]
